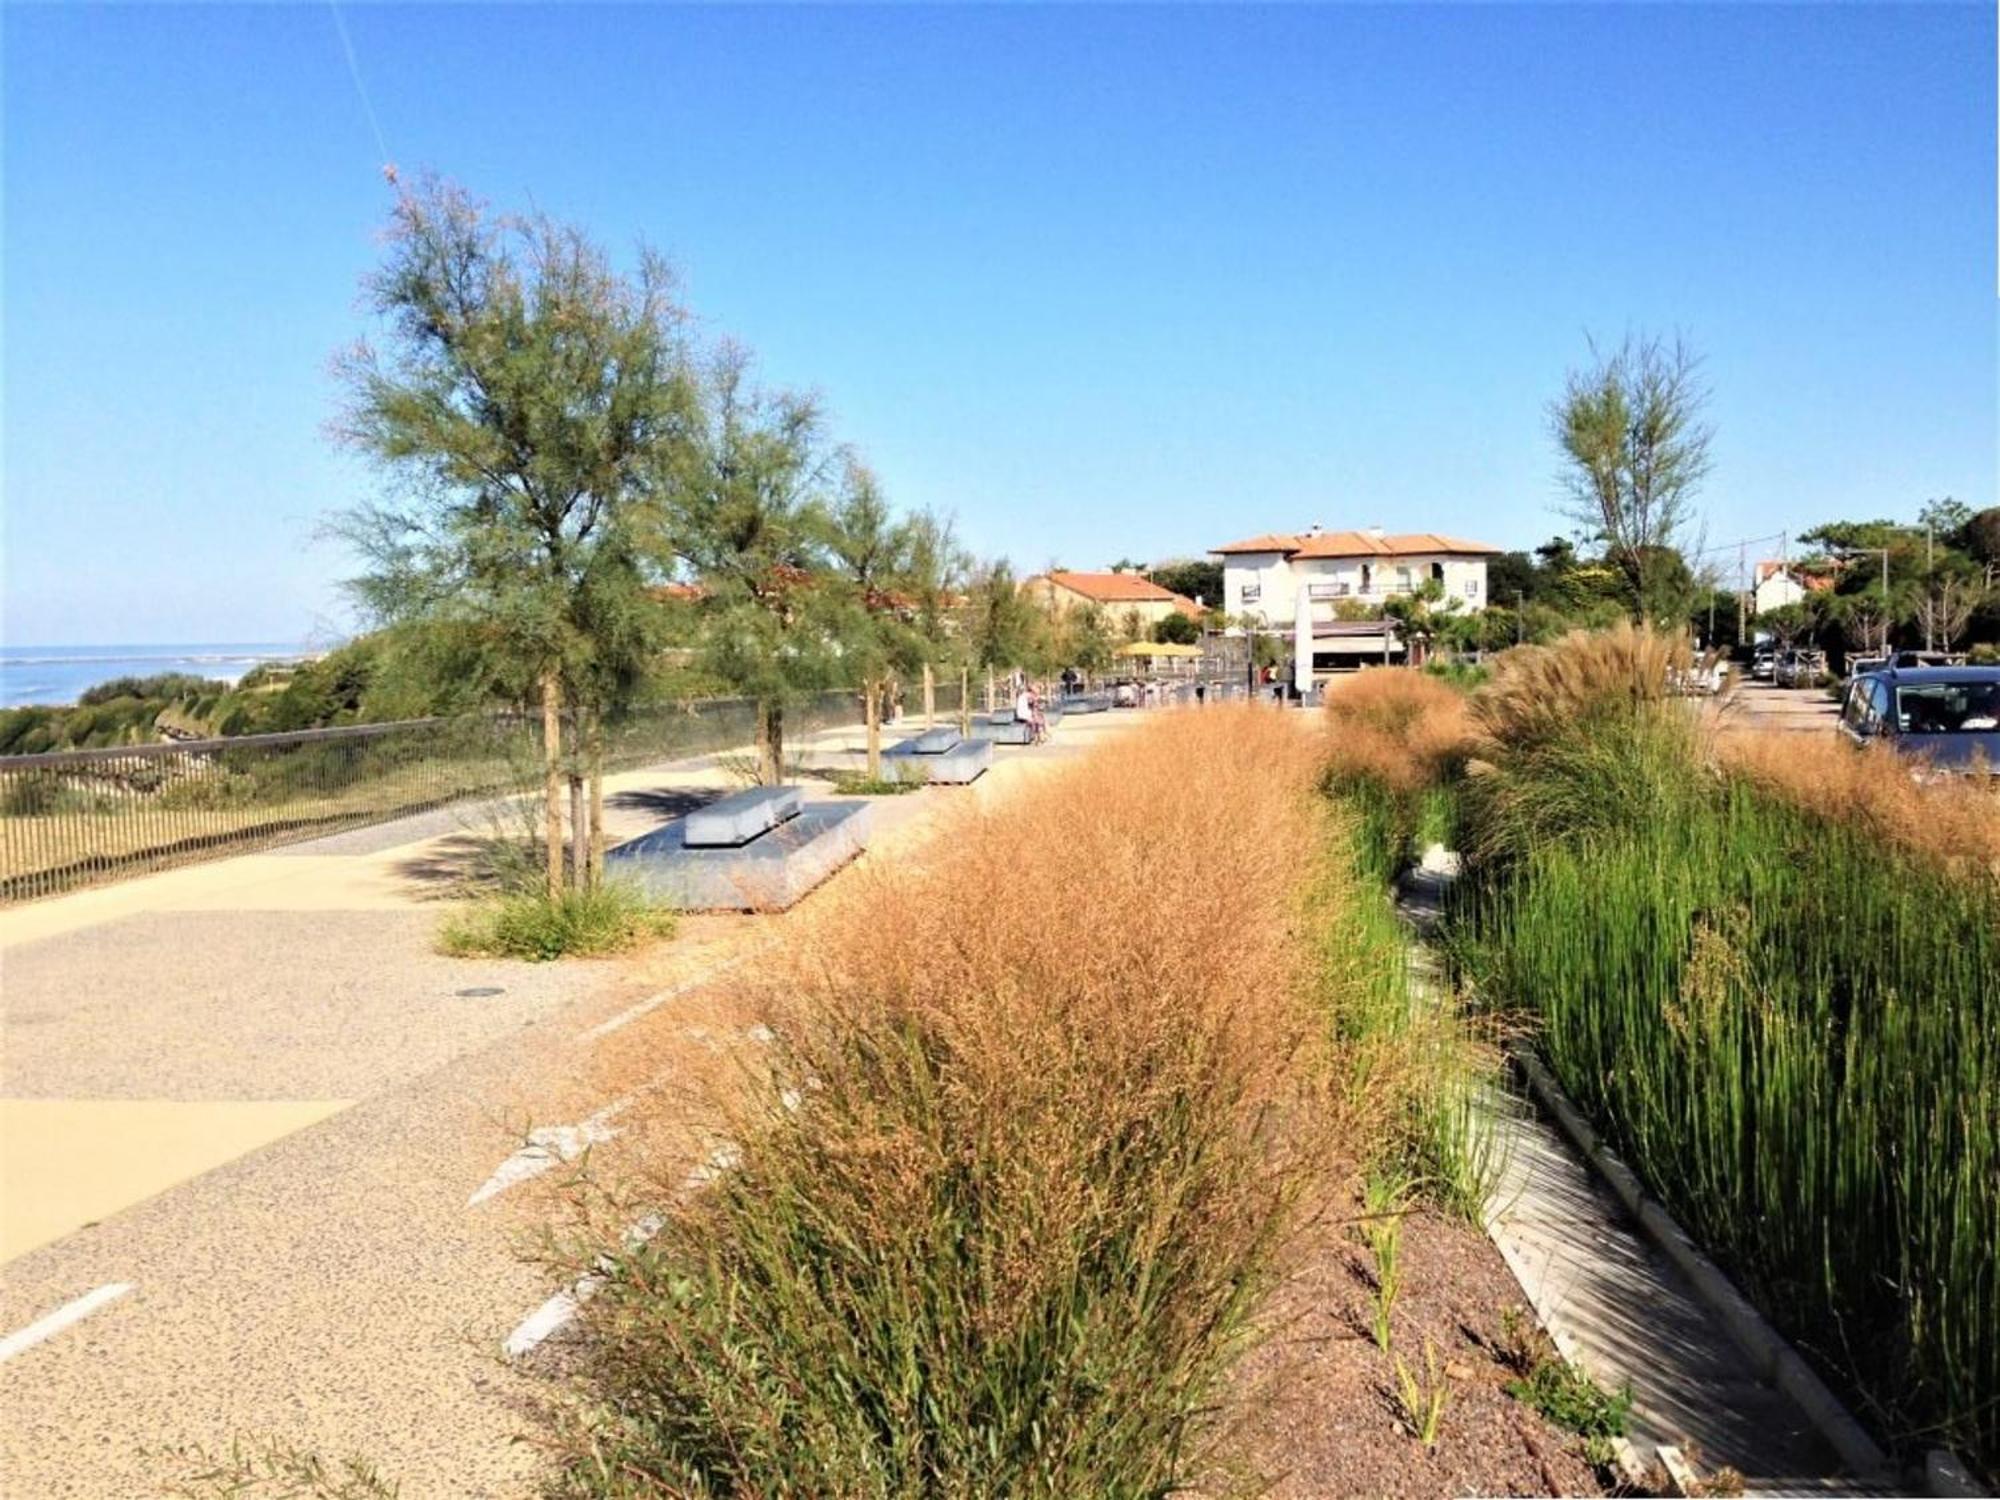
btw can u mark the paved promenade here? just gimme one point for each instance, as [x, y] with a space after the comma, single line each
[254, 1129]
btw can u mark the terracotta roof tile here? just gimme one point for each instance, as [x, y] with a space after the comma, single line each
[1111, 588]
[1270, 541]
[1367, 544]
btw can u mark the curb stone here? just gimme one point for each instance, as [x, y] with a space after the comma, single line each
[1769, 1354]
[1945, 1475]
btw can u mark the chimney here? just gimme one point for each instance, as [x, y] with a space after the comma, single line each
[1375, 532]
[1315, 529]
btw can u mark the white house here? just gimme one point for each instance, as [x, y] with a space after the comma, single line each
[1266, 579]
[1261, 575]
[1776, 587]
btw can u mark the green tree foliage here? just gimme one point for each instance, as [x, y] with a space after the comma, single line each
[1199, 579]
[751, 522]
[1636, 448]
[1003, 627]
[1177, 629]
[527, 406]
[876, 557]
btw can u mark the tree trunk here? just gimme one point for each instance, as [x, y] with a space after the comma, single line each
[872, 716]
[770, 743]
[596, 748]
[930, 696]
[579, 835]
[552, 831]
[965, 700]
[989, 690]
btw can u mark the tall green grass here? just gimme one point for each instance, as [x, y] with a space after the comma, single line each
[1790, 1028]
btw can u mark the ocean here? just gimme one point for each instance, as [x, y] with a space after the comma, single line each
[59, 674]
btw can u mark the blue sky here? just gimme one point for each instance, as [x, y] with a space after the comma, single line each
[1100, 281]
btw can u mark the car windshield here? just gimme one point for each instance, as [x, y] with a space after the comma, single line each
[1949, 708]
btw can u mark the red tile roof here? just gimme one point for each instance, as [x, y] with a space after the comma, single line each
[1367, 544]
[1111, 588]
[1270, 541]
[1354, 544]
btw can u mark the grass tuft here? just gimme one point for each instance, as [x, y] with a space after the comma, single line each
[609, 919]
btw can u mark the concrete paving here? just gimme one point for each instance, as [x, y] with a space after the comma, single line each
[270, 1106]
[1759, 705]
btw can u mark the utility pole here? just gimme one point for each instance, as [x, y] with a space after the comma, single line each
[1742, 592]
[1930, 568]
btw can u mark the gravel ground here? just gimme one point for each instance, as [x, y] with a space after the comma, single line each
[1328, 1422]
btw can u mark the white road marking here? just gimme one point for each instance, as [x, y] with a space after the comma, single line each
[70, 1312]
[555, 1314]
[549, 1146]
[673, 992]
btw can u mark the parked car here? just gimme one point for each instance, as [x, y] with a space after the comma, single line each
[1800, 668]
[1949, 715]
[1763, 662]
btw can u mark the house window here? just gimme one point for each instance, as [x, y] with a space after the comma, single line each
[1252, 592]
[1367, 577]
[1403, 581]
[1472, 588]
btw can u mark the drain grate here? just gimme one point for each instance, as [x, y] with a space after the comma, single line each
[480, 992]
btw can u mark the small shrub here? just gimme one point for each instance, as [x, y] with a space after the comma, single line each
[610, 918]
[1571, 1400]
[861, 784]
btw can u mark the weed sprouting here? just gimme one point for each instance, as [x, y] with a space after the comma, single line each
[1571, 1400]
[1423, 1395]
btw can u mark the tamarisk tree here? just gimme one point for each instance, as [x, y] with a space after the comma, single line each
[528, 406]
[1636, 449]
[750, 521]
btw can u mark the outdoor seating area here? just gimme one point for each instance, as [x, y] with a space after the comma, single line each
[757, 850]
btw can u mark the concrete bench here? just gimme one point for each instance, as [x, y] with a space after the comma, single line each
[1090, 703]
[964, 762]
[737, 819]
[1001, 729]
[767, 873]
[934, 741]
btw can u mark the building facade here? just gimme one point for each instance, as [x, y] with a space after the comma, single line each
[1320, 587]
[1263, 575]
[1117, 594]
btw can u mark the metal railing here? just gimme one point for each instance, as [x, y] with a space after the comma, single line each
[76, 817]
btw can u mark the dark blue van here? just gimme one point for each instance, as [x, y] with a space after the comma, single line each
[1949, 715]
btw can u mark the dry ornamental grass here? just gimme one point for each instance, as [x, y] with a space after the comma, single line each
[1044, 1116]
